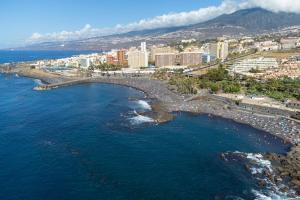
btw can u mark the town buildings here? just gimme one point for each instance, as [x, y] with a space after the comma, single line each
[190, 58]
[290, 43]
[244, 66]
[289, 68]
[178, 59]
[84, 63]
[155, 50]
[212, 49]
[110, 59]
[218, 50]
[165, 59]
[222, 50]
[267, 46]
[121, 56]
[138, 58]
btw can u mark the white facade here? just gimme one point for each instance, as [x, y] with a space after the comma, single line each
[245, 66]
[218, 50]
[267, 46]
[143, 47]
[222, 50]
[84, 63]
[289, 43]
[138, 58]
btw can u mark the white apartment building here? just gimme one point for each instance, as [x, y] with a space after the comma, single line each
[290, 43]
[155, 50]
[222, 50]
[267, 46]
[218, 50]
[244, 66]
[138, 58]
[84, 63]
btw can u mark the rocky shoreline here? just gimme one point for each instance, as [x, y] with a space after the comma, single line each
[287, 167]
[170, 101]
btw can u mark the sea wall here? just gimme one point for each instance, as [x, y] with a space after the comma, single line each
[254, 108]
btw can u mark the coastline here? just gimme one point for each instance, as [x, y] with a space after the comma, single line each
[170, 101]
[167, 101]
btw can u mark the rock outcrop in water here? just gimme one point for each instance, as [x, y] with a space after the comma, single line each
[287, 168]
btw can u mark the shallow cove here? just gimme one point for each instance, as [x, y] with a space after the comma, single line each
[85, 142]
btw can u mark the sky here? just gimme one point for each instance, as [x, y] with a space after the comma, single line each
[24, 22]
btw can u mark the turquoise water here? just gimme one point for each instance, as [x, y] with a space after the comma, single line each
[86, 142]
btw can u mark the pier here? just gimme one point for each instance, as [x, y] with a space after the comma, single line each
[62, 84]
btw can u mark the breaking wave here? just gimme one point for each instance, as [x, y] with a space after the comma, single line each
[144, 104]
[38, 82]
[140, 119]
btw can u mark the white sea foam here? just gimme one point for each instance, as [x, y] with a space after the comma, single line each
[272, 191]
[16, 75]
[261, 163]
[271, 196]
[38, 82]
[140, 119]
[144, 104]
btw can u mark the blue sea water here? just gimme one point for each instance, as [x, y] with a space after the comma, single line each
[86, 142]
[7, 56]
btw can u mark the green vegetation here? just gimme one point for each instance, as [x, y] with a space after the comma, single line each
[239, 55]
[219, 80]
[279, 89]
[254, 71]
[107, 67]
[215, 80]
[184, 84]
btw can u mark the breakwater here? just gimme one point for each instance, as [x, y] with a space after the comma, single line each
[60, 84]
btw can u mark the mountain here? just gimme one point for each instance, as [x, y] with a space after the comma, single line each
[254, 20]
[242, 22]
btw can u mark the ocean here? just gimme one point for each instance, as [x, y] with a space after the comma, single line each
[7, 56]
[89, 142]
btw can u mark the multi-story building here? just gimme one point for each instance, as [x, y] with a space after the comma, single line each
[155, 50]
[138, 58]
[179, 59]
[121, 56]
[244, 66]
[165, 59]
[290, 43]
[222, 50]
[212, 49]
[84, 63]
[207, 58]
[110, 59]
[218, 50]
[143, 47]
[267, 46]
[190, 58]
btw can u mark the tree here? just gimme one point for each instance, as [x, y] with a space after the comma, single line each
[218, 74]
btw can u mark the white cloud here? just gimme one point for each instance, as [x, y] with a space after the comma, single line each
[171, 19]
[276, 5]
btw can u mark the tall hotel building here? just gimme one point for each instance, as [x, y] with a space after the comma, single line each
[165, 59]
[138, 58]
[182, 59]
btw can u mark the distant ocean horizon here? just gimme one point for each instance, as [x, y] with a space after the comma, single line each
[10, 56]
